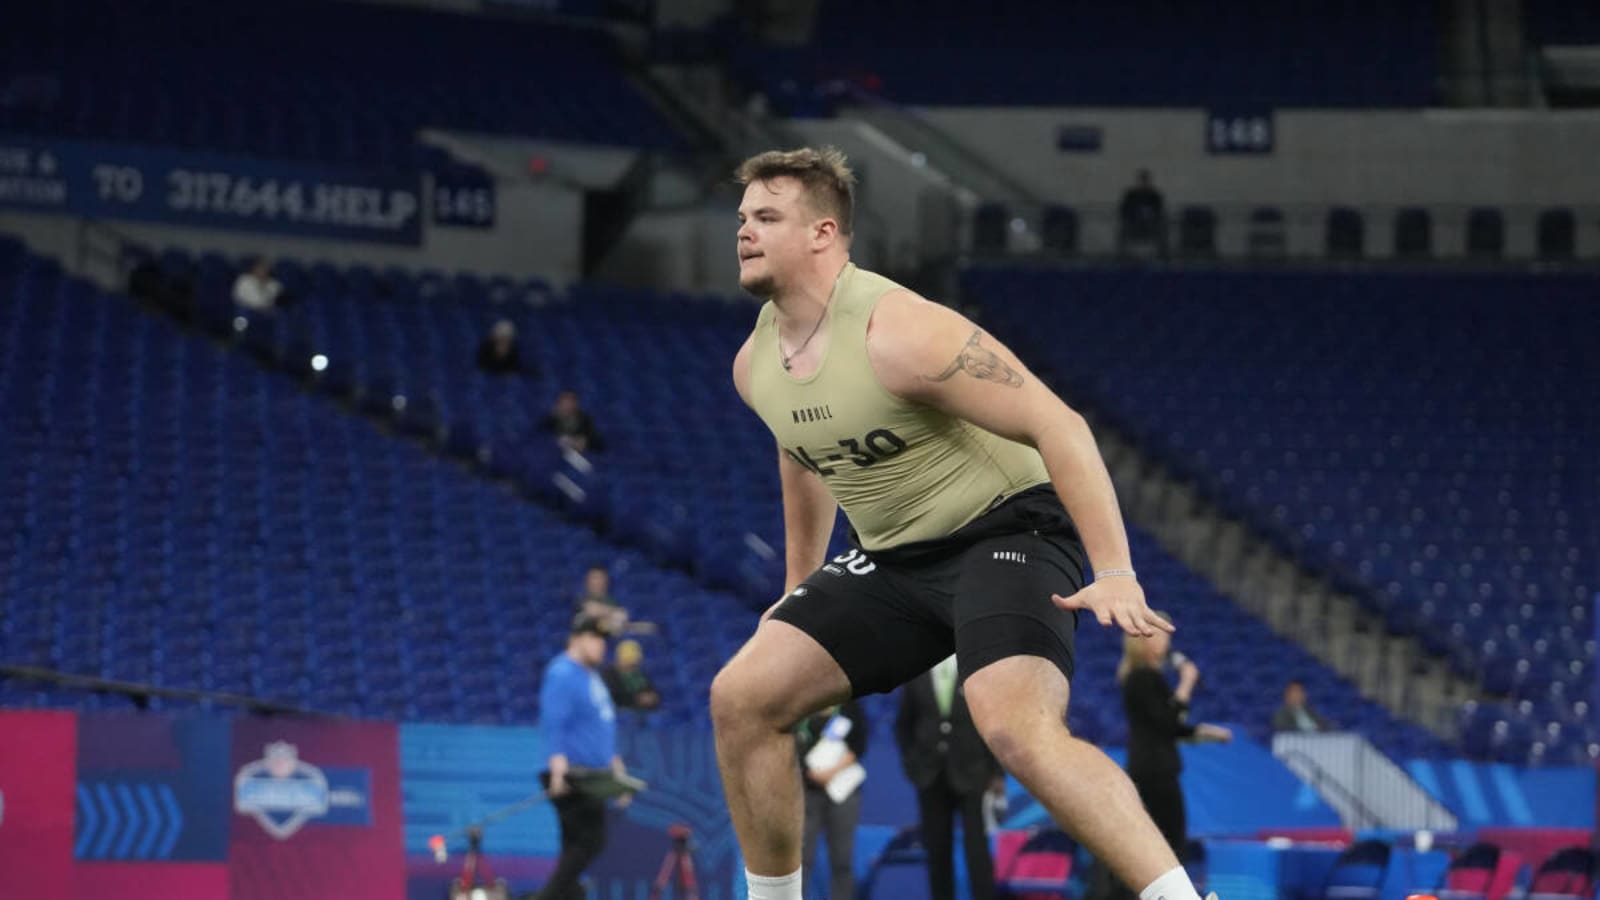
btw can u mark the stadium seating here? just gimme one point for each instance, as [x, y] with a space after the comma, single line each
[1486, 233]
[1197, 232]
[1145, 53]
[1425, 440]
[177, 516]
[688, 478]
[1346, 235]
[1413, 233]
[254, 79]
[1557, 235]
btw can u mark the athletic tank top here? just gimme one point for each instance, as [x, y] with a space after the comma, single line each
[901, 471]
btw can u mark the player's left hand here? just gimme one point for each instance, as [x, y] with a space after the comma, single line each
[622, 801]
[1119, 602]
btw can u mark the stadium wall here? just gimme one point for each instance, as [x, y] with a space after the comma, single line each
[1494, 157]
[1518, 160]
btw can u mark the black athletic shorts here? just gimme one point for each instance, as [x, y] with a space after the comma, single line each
[982, 593]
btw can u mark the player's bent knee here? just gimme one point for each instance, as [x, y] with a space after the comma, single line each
[741, 699]
[729, 698]
[1016, 738]
[1010, 746]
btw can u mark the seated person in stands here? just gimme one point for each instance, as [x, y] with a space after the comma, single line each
[630, 687]
[596, 602]
[572, 426]
[499, 354]
[1142, 217]
[1294, 714]
[255, 289]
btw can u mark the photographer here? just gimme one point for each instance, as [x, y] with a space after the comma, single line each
[1157, 719]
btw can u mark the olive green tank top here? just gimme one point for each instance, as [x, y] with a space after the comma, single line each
[901, 471]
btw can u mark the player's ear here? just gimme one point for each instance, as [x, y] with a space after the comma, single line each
[824, 232]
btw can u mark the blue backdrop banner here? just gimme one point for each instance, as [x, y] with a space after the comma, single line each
[1494, 794]
[210, 191]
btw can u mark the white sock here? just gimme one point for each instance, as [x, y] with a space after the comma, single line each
[779, 887]
[1175, 885]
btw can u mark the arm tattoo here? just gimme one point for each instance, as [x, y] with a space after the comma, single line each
[981, 363]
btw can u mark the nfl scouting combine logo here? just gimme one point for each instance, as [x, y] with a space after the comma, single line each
[283, 792]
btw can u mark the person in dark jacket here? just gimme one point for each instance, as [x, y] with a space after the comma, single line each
[571, 424]
[830, 745]
[1142, 217]
[1158, 717]
[951, 767]
[1295, 714]
[499, 353]
[630, 687]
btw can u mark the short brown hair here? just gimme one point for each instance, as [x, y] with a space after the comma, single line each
[824, 175]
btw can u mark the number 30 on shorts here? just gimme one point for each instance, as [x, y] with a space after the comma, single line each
[855, 562]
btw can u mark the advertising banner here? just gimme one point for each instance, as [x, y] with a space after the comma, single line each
[211, 191]
[36, 774]
[315, 811]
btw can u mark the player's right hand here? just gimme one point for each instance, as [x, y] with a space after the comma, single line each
[1119, 602]
[559, 786]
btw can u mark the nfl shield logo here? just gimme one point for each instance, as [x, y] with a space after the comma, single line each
[280, 791]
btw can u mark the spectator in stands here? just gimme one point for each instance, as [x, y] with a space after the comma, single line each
[952, 769]
[630, 687]
[499, 354]
[1142, 218]
[580, 724]
[572, 425]
[1157, 719]
[830, 745]
[255, 289]
[596, 600]
[1294, 714]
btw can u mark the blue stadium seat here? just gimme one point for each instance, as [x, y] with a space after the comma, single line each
[1486, 237]
[306, 528]
[1141, 53]
[1344, 417]
[334, 96]
[1346, 234]
[1557, 235]
[1413, 233]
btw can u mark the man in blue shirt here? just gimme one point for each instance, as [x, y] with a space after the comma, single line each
[581, 726]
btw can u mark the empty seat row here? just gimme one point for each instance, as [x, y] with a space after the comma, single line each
[1194, 233]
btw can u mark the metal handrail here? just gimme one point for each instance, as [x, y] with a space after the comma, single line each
[1321, 777]
[141, 692]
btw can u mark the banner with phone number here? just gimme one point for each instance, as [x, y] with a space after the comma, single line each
[210, 191]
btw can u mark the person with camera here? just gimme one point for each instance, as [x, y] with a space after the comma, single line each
[1158, 717]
